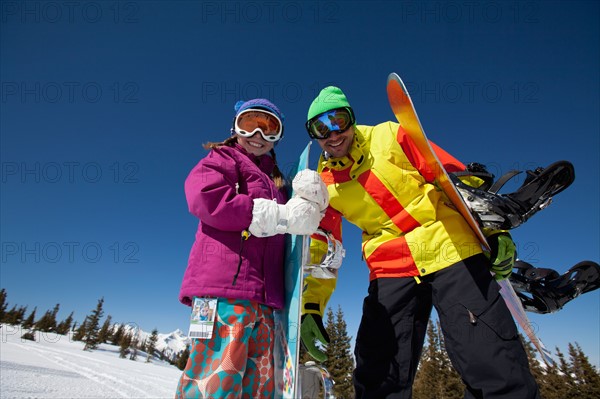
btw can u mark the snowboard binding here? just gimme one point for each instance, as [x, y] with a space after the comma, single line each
[507, 211]
[332, 260]
[315, 381]
[546, 291]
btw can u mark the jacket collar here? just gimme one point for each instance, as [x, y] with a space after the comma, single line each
[353, 159]
[264, 162]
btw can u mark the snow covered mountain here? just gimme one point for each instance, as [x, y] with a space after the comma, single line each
[171, 343]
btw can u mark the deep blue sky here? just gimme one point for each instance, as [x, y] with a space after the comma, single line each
[105, 106]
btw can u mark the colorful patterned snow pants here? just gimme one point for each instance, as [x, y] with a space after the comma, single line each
[237, 362]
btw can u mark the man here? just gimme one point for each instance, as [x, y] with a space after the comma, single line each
[420, 253]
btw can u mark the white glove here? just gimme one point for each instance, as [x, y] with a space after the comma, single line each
[303, 216]
[308, 184]
[298, 216]
[265, 218]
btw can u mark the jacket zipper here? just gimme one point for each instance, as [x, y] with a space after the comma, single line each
[244, 237]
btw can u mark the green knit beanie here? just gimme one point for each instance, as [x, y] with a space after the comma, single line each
[329, 98]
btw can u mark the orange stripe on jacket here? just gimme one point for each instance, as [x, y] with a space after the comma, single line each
[387, 201]
[392, 259]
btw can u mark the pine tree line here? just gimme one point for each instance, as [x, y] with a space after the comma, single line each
[575, 378]
[91, 332]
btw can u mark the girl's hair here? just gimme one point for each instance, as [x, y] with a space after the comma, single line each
[277, 176]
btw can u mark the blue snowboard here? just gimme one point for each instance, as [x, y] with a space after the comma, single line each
[287, 320]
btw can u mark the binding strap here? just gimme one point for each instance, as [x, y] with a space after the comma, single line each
[502, 181]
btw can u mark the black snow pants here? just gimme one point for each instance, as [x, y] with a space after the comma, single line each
[480, 335]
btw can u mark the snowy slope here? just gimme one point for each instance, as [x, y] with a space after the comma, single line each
[56, 367]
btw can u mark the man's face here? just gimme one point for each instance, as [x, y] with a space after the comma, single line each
[338, 144]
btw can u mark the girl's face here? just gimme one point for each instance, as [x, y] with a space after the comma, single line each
[255, 145]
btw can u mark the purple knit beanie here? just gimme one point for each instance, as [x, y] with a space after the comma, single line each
[259, 103]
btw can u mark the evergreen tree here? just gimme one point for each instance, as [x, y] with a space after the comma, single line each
[104, 333]
[92, 327]
[3, 304]
[534, 365]
[28, 323]
[118, 334]
[340, 362]
[48, 321]
[452, 385]
[182, 358]
[586, 377]
[436, 378]
[552, 384]
[29, 335]
[151, 345]
[427, 377]
[15, 315]
[135, 339]
[64, 326]
[124, 344]
[80, 332]
[53, 317]
[565, 371]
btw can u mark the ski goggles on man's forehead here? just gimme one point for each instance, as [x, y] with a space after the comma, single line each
[250, 121]
[337, 120]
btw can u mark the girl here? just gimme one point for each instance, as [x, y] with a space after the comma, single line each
[237, 259]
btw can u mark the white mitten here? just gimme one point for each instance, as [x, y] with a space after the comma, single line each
[303, 216]
[298, 216]
[309, 185]
[268, 218]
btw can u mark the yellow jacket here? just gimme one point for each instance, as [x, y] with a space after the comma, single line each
[410, 228]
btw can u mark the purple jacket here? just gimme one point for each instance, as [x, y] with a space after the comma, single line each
[220, 192]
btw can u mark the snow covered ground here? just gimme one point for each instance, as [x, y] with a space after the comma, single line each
[56, 367]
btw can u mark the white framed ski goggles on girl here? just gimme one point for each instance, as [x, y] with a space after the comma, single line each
[252, 120]
[336, 120]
